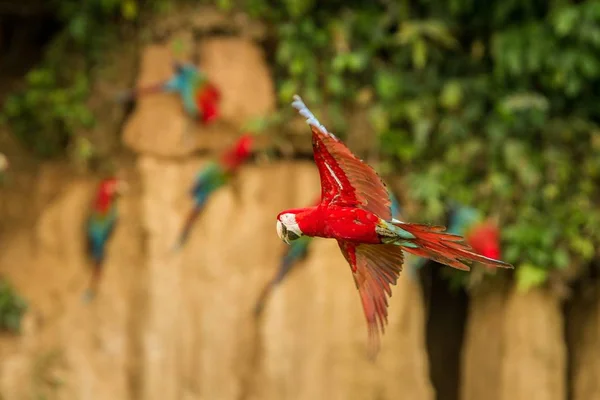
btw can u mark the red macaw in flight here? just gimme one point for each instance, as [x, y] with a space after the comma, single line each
[296, 252]
[355, 210]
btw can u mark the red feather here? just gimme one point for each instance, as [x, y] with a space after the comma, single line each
[444, 247]
[345, 179]
[375, 268]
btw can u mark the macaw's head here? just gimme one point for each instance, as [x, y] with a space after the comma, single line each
[484, 237]
[239, 153]
[288, 229]
[108, 190]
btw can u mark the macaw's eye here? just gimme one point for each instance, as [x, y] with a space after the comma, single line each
[292, 236]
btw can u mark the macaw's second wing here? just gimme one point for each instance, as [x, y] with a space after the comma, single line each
[375, 268]
[345, 180]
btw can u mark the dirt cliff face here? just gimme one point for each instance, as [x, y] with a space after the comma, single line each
[514, 346]
[172, 326]
[180, 325]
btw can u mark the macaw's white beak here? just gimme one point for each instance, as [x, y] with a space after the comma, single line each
[282, 232]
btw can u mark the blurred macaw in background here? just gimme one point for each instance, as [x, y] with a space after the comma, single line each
[355, 211]
[212, 176]
[297, 252]
[100, 226]
[199, 96]
[483, 235]
[3, 166]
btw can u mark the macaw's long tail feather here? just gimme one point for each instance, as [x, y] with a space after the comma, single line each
[92, 289]
[187, 227]
[262, 299]
[434, 243]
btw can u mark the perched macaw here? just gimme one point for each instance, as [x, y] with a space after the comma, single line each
[212, 177]
[199, 96]
[355, 210]
[100, 226]
[297, 252]
[482, 235]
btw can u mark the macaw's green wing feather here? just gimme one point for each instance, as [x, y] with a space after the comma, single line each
[211, 178]
[99, 230]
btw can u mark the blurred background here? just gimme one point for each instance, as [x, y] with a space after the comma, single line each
[482, 116]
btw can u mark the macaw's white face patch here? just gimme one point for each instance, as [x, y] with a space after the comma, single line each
[287, 228]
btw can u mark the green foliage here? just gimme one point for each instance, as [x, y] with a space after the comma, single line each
[492, 104]
[12, 308]
[50, 111]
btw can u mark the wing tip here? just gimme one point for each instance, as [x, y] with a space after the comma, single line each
[303, 110]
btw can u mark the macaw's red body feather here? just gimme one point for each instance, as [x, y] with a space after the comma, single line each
[207, 100]
[355, 210]
[335, 222]
[238, 154]
[485, 239]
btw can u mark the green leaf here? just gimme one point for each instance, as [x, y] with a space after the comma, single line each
[451, 95]
[419, 54]
[530, 276]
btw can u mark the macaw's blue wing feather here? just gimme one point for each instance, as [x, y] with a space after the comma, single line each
[460, 218]
[211, 178]
[296, 252]
[395, 206]
[186, 82]
[99, 229]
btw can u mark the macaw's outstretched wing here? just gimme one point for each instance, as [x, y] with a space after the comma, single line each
[345, 180]
[375, 268]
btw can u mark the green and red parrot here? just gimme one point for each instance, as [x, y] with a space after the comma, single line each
[297, 252]
[199, 96]
[213, 176]
[100, 226]
[355, 211]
